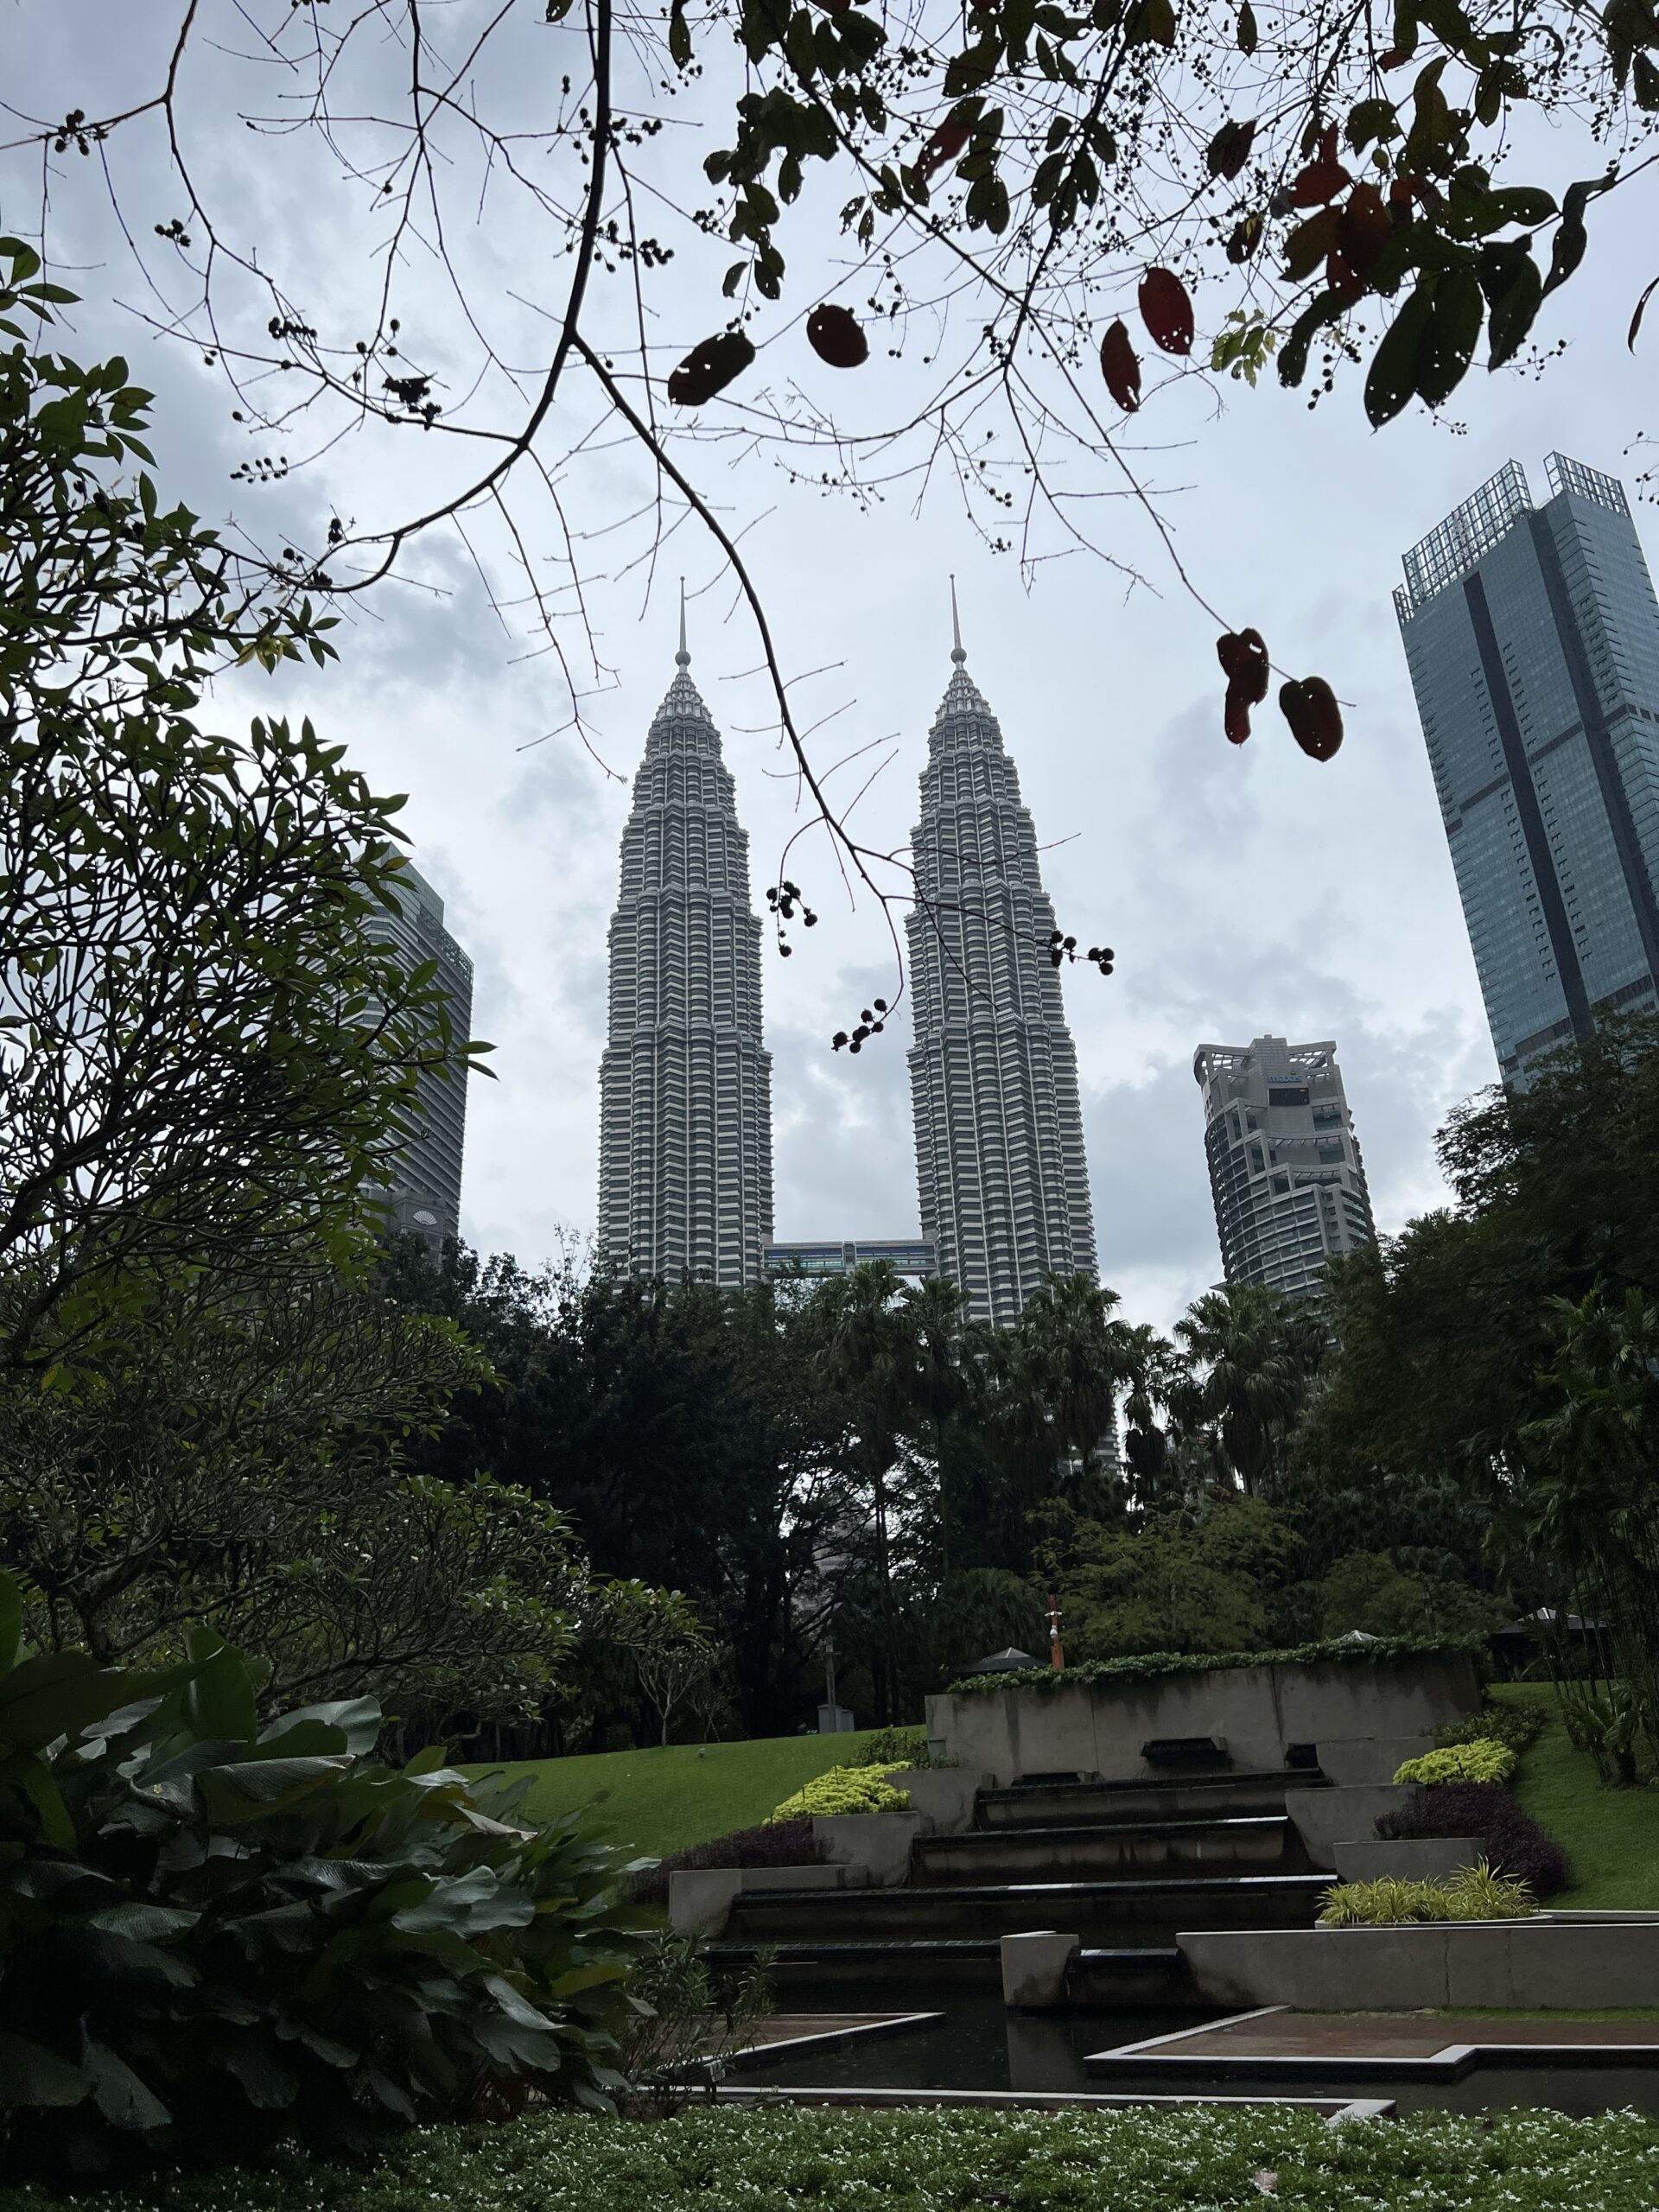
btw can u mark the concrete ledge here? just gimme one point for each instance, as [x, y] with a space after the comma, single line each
[699, 1899]
[1328, 1817]
[1035, 1966]
[944, 1796]
[1349, 1760]
[1409, 1858]
[878, 1843]
[1529, 1965]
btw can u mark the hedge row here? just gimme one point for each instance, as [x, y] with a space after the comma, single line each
[1147, 1666]
[1223, 2160]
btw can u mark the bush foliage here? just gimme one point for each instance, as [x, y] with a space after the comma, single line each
[1147, 1665]
[1515, 1843]
[1512, 1722]
[1478, 1760]
[716, 2160]
[1473, 1893]
[845, 1790]
[773, 1843]
[213, 1934]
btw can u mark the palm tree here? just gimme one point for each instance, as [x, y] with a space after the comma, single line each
[888, 1350]
[1251, 1357]
[1053, 1382]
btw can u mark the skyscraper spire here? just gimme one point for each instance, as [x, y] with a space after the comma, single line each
[682, 658]
[685, 1084]
[999, 1163]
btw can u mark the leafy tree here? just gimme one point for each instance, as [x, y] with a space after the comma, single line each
[245, 1471]
[1054, 1382]
[1367, 1590]
[1067, 201]
[1205, 1580]
[203, 1052]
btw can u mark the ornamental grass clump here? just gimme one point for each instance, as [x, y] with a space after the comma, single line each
[845, 1790]
[1473, 1893]
[1481, 1760]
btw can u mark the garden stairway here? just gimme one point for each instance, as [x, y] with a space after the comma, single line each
[1125, 1866]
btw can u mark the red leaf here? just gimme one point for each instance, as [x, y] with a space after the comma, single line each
[834, 335]
[1120, 367]
[1243, 658]
[709, 367]
[1315, 719]
[1363, 228]
[1166, 311]
[1322, 181]
[946, 142]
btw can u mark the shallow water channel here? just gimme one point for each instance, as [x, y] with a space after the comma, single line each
[975, 2043]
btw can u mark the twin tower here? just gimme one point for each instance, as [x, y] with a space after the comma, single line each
[685, 1123]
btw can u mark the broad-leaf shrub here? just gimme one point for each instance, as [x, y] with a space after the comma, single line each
[845, 1790]
[773, 1843]
[1473, 1893]
[1482, 1760]
[1513, 1722]
[213, 1934]
[1514, 1842]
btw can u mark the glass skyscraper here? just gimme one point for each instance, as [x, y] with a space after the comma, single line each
[1532, 635]
[424, 1197]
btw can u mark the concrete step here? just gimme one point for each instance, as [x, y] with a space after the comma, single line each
[1247, 1843]
[973, 1962]
[1150, 1910]
[1110, 1804]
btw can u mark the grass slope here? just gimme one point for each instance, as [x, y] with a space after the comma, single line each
[662, 1800]
[1610, 1836]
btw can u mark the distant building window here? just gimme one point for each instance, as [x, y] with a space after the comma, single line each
[1330, 1147]
[1281, 1182]
[1288, 1094]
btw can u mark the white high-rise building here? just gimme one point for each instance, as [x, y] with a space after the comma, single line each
[1285, 1169]
[685, 1084]
[1000, 1160]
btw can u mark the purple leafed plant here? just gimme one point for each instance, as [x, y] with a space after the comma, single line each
[1516, 1845]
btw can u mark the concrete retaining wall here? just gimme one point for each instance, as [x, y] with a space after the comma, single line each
[1326, 1818]
[1409, 1858]
[700, 1898]
[876, 1845]
[1097, 1729]
[1528, 1964]
[944, 1796]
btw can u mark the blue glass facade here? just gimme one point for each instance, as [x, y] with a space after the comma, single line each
[1532, 636]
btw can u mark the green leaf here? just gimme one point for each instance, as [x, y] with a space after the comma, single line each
[1448, 345]
[1392, 380]
[219, 1701]
[56, 1694]
[30, 2074]
[1247, 36]
[1571, 236]
[679, 36]
[251, 1789]
[11, 1622]
[1513, 311]
[125, 2102]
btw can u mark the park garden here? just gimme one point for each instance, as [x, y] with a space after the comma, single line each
[371, 1619]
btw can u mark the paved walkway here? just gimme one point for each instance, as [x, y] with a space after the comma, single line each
[1388, 2035]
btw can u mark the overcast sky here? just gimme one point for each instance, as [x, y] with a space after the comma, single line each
[1244, 891]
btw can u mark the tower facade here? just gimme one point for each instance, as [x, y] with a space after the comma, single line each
[1532, 635]
[1285, 1169]
[685, 1084]
[423, 1199]
[1003, 1181]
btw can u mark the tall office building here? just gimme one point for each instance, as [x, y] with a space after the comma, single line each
[993, 1073]
[1533, 640]
[1285, 1169]
[685, 1084]
[424, 1196]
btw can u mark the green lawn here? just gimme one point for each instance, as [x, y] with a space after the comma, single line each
[662, 1800]
[1611, 1836]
